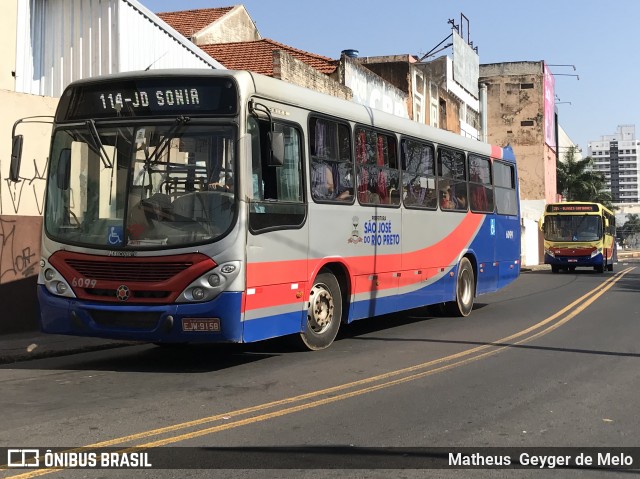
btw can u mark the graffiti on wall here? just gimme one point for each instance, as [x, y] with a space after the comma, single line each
[19, 247]
[28, 192]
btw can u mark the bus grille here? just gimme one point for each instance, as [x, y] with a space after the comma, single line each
[128, 272]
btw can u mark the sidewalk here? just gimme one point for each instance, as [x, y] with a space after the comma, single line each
[36, 345]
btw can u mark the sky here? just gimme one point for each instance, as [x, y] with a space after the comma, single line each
[599, 38]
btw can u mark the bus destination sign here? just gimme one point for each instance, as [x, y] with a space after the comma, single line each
[148, 97]
[572, 208]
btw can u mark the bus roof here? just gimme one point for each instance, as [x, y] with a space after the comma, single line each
[251, 83]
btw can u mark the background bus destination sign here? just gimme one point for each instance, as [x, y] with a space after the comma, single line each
[151, 97]
[572, 208]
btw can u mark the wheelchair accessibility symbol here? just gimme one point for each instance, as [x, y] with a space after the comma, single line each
[115, 235]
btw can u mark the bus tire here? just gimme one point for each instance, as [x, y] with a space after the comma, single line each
[599, 268]
[555, 268]
[324, 313]
[465, 290]
[610, 267]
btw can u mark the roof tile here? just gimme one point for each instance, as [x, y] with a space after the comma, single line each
[257, 56]
[189, 22]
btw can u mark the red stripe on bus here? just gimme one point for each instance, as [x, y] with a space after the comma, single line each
[275, 279]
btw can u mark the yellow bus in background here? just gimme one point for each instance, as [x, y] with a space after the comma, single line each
[579, 234]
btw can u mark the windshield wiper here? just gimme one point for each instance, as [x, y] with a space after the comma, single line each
[164, 144]
[96, 144]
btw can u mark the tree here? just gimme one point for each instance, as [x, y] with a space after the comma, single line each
[630, 228]
[576, 180]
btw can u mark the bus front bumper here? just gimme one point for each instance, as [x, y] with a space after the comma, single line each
[218, 320]
[573, 261]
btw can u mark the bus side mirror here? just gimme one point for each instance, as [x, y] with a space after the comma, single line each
[541, 224]
[276, 148]
[16, 158]
[63, 173]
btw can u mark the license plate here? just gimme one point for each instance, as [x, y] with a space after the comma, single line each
[198, 325]
[572, 260]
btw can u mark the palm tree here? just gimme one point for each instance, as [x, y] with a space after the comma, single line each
[578, 182]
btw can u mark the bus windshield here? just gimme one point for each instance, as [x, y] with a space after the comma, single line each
[140, 186]
[572, 228]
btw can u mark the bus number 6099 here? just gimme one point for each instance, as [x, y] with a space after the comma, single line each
[84, 282]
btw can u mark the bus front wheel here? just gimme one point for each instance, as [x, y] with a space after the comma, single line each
[465, 290]
[324, 313]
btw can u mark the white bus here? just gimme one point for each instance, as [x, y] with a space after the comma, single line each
[226, 206]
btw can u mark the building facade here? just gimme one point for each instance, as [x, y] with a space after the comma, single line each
[618, 157]
[521, 113]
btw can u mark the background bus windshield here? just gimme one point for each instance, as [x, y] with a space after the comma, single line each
[140, 187]
[572, 228]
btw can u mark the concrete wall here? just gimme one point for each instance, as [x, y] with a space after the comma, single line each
[19, 266]
[25, 197]
[288, 68]
[21, 207]
[371, 90]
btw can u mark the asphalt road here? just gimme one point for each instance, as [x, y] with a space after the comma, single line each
[549, 362]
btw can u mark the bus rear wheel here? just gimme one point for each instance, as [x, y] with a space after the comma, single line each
[465, 290]
[324, 313]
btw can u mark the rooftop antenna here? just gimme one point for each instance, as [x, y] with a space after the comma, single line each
[156, 61]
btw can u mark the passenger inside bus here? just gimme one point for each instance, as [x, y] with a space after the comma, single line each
[446, 203]
[323, 183]
[479, 200]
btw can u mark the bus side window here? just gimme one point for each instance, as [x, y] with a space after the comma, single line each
[418, 174]
[378, 174]
[452, 179]
[480, 189]
[505, 188]
[278, 200]
[331, 162]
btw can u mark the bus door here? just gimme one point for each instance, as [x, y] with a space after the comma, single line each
[378, 268]
[276, 289]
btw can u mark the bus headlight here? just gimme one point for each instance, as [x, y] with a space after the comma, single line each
[197, 294]
[210, 284]
[596, 252]
[550, 253]
[54, 282]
